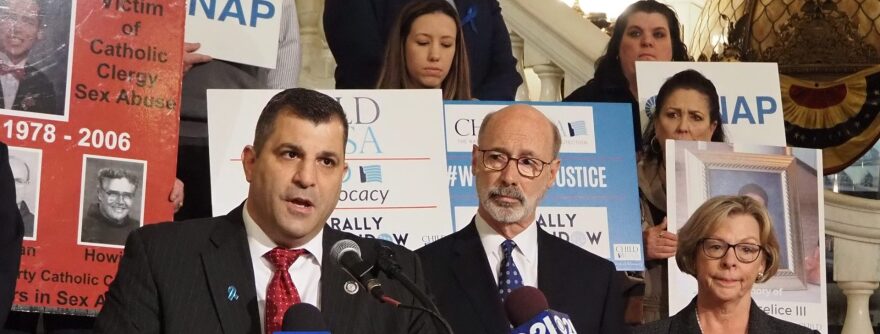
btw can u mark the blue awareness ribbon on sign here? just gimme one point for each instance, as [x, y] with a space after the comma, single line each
[470, 18]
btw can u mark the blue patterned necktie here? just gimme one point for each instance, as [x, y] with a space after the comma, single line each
[509, 278]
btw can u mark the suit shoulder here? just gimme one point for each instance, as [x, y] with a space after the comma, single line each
[184, 233]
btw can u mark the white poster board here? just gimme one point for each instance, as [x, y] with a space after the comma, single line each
[396, 188]
[751, 105]
[241, 31]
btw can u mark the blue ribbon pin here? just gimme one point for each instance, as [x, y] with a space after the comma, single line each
[470, 18]
[232, 293]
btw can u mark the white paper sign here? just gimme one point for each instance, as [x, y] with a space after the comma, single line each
[241, 31]
[751, 105]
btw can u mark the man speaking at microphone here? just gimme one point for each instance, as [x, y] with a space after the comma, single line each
[239, 273]
[472, 271]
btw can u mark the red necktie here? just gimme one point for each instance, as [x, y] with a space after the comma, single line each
[281, 293]
[17, 72]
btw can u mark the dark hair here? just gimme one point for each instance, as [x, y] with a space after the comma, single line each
[457, 84]
[687, 79]
[303, 103]
[41, 11]
[608, 67]
[108, 173]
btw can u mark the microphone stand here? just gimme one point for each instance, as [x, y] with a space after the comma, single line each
[387, 264]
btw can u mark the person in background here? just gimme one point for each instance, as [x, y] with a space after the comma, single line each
[471, 272]
[356, 33]
[11, 233]
[687, 109]
[426, 50]
[646, 31]
[728, 245]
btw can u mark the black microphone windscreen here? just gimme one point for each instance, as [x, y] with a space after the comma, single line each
[303, 317]
[524, 303]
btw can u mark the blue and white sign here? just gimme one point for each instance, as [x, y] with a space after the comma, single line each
[594, 201]
[748, 94]
[241, 31]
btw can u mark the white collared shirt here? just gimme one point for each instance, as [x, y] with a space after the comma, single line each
[525, 255]
[305, 271]
[9, 82]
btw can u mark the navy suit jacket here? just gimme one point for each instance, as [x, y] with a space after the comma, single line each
[357, 30]
[176, 278]
[11, 232]
[575, 282]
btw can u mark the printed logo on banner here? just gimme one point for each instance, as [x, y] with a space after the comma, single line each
[371, 173]
[650, 105]
[578, 132]
[627, 252]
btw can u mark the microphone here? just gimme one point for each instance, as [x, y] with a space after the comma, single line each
[348, 254]
[528, 312]
[304, 318]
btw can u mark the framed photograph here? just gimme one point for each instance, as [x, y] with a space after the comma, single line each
[26, 165]
[35, 55]
[112, 200]
[766, 177]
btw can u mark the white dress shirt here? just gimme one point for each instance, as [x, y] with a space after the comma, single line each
[9, 82]
[525, 255]
[305, 271]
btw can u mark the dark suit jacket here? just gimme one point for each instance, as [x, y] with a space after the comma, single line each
[35, 94]
[575, 282]
[11, 232]
[357, 30]
[176, 278]
[685, 322]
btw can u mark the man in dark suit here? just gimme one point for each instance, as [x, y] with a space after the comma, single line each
[471, 271]
[228, 274]
[357, 30]
[11, 232]
[24, 87]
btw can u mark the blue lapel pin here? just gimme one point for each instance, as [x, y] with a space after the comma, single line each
[232, 293]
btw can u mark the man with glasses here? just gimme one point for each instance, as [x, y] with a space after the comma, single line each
[472, 271]
[107, 221]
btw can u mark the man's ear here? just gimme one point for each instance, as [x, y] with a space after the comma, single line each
[248, 159]
[554, 169]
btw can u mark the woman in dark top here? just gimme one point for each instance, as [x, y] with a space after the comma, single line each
[728, 245]
[426, 50]
[687, 109]
[647, 30]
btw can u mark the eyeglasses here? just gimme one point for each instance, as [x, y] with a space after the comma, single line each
[745, 252]
[498, 161]
[114, 196]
